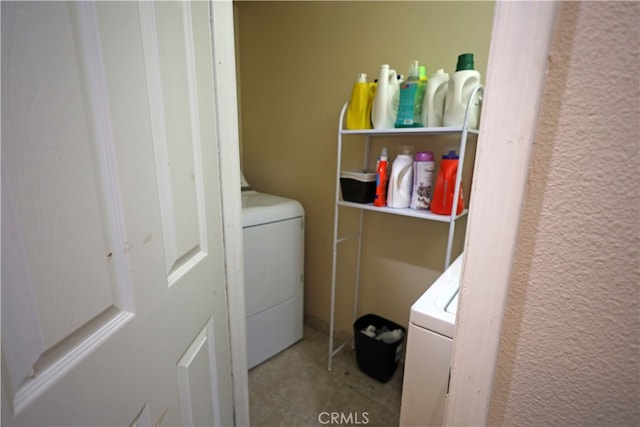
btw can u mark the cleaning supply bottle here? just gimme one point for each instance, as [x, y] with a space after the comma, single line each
[462, 83]
[357, 117]
[401, 179]
[422, 181]
[442, 201]
[422, 88]
[434, 96]
[373, 86]
[384, 109]
[381, 179]
[410, 103]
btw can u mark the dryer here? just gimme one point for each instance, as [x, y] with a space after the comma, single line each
[273, 240]
[432, 324]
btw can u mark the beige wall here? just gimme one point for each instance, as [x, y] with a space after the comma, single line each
[570, 347]
[298, 62]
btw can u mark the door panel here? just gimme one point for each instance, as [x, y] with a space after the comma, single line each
[197, 380]
[172, 89]
[110, 195]
[58, 231]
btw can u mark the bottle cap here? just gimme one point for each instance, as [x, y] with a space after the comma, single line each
[424, 156]
[423, 73]
[465, 62]
[405, 150]
[450, 155]
[413, 70]
[362, 78]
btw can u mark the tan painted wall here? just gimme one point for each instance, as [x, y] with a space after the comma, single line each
[298, 62]
[571, 341]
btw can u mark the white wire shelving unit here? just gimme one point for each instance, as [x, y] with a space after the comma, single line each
[368, 134]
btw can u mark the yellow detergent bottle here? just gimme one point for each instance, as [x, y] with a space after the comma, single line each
[359, 111]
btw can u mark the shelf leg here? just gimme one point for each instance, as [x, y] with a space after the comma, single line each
[359, 255]
[447, 259]
[335, 237]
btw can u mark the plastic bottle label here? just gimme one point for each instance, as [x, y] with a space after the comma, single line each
[422, 185]
[410, 104]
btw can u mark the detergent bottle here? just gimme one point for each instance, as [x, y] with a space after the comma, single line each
[422, 181]
[380, 199]
[442, 202]
[434, 96]
[461, 84]
[401, 179]
[357, 117]
[385, 109]
[411, 93]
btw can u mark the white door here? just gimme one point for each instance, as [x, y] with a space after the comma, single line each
[113, 282]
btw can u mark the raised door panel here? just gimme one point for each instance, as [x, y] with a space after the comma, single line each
[64, 264]
[173, 99]
[198, 384]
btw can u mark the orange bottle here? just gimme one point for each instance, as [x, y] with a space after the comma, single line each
[381, 180]
[442, 201]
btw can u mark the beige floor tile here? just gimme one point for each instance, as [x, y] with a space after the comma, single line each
[294, 388]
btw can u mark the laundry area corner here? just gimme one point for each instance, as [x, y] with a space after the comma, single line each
[297, 64]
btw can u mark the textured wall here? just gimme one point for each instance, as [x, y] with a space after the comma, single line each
[570, 346]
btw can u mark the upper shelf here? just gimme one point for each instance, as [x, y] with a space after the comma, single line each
[408, 131]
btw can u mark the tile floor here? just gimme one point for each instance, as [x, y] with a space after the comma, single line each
[294, 388]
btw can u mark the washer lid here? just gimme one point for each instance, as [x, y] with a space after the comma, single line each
[433, 310]
[261, 208]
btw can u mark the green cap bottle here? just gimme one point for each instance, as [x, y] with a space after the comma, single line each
[465, 62]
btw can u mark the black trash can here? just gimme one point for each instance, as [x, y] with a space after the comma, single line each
[376, 358]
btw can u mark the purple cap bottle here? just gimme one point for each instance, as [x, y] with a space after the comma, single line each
[423, 167]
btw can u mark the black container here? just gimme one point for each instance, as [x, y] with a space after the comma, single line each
[376, 358]
[358, 186]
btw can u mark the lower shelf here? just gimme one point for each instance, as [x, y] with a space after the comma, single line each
[404, 212]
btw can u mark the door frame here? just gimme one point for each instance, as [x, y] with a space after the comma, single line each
[520, 45]
[224, 81]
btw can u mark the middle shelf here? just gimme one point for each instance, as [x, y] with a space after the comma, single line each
[404, 212]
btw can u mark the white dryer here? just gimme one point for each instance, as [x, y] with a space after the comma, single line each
[273, 238]
[432, 324]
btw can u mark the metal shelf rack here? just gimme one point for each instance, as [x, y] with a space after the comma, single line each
[368, 134]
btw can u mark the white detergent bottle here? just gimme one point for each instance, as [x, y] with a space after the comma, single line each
[433, 103]
[384, 110]
[461, 84]
[401, 180]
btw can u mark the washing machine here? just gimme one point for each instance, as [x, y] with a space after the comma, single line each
[273, 240]
[432, 324]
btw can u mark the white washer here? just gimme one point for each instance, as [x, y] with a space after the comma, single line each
[273, 237]
[432, 324]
